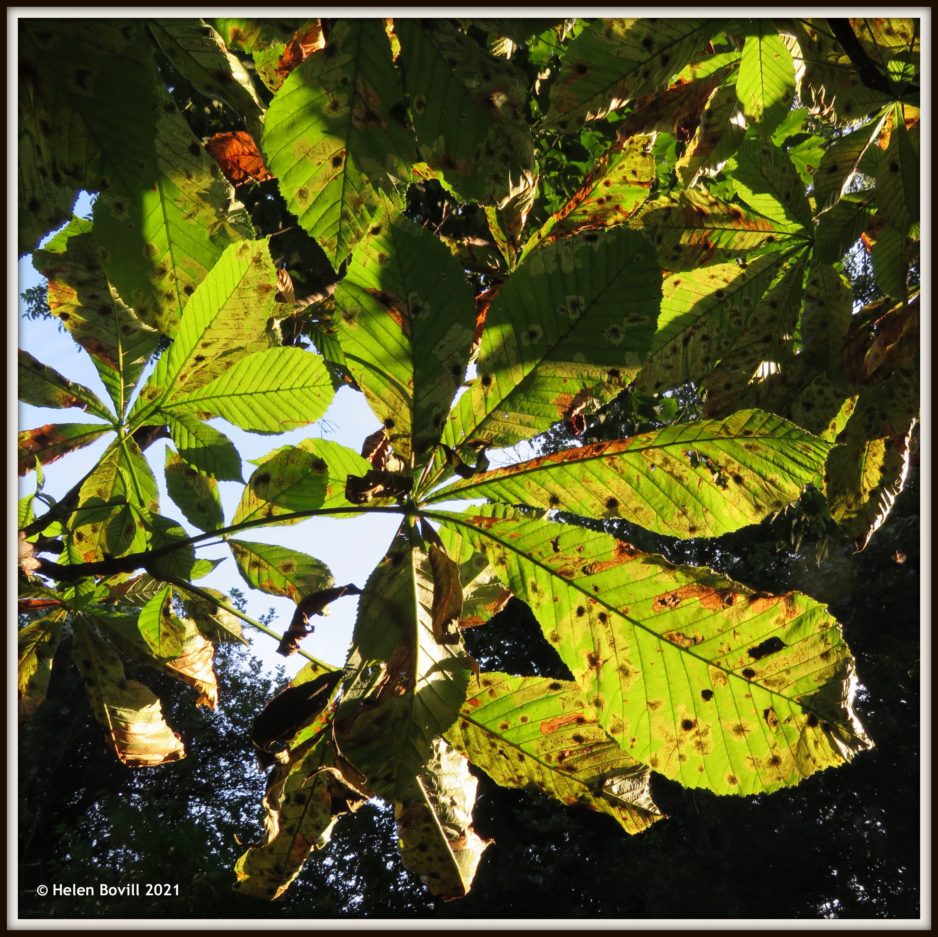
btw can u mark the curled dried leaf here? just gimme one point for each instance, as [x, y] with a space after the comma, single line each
[314, 604]
[238, 156]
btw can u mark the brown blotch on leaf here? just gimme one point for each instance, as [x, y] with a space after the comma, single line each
[706, 695]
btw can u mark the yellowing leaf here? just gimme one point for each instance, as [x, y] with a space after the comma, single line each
[434, 823]
[695, 479]
[704, 680]
[279, 570]
[37, 643]
[304, 799]
[129, 711]
[539, 734]
[335, 136]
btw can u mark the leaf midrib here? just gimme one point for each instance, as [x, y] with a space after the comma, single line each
[456, 519]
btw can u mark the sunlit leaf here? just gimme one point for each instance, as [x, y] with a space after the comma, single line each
[865, 475]
[335, 136]
[434, 824]
[694, 229]
[468, 110]
[195, 493]
[571, 324]
[304, 799]
[198, 52]
[841, 160]
[401, 682]
[706, 310]
[614, 61]
[698, 677]
[82, 299]
[766, 180]
[897, 181]
[695, 479]
[279, 570]
[237, 155]
[54, 440]
[225, 320]
[405, 322]
[205, 447]
[42, 386]
[269, 391]
[159, 627]
[163, 232]
[766, 82]
[130, 713]
[614, 189]
[539, 734]
[299, 478]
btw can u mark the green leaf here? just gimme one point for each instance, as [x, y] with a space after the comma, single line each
[42, 386]
[571, 324]
[130, 713]
[249, 35]
[162, 631]
[840, 161]
[270, 391]
[540, 734]
[163, 232]
[766, 83]
[698, 677]
[401, 683]
[695, 479]
[614, 61]
[612, 191]
[198, 53]
[304, 799]
[195, 493]
[52, 441]
[280, 570]
[766, 180]
[335, 136]
[716, 137]
[225, 320]
[705, 311]
[868, 471]
[891, 261]
[897, 181]
[469, 112]
[205, 447]
[434, 824]
[830, 78]
[213, 621]
[299, 478]
[406, 318]
[37, 643]
[160, 532]
[839, 227]
[695, 229]
[83, 300]
[88, 116]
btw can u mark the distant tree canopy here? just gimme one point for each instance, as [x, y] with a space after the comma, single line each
[679, 256]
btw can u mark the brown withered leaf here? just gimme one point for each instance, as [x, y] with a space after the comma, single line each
[313, 604]
[302, 44]
[376, 483]
[288, 712]
[447, 597]
[237, 155]
[377, 450]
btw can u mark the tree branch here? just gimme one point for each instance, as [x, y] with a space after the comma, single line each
[143, 559]
[866, 68]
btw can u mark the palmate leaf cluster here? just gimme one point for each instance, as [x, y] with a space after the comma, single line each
[496, 227]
